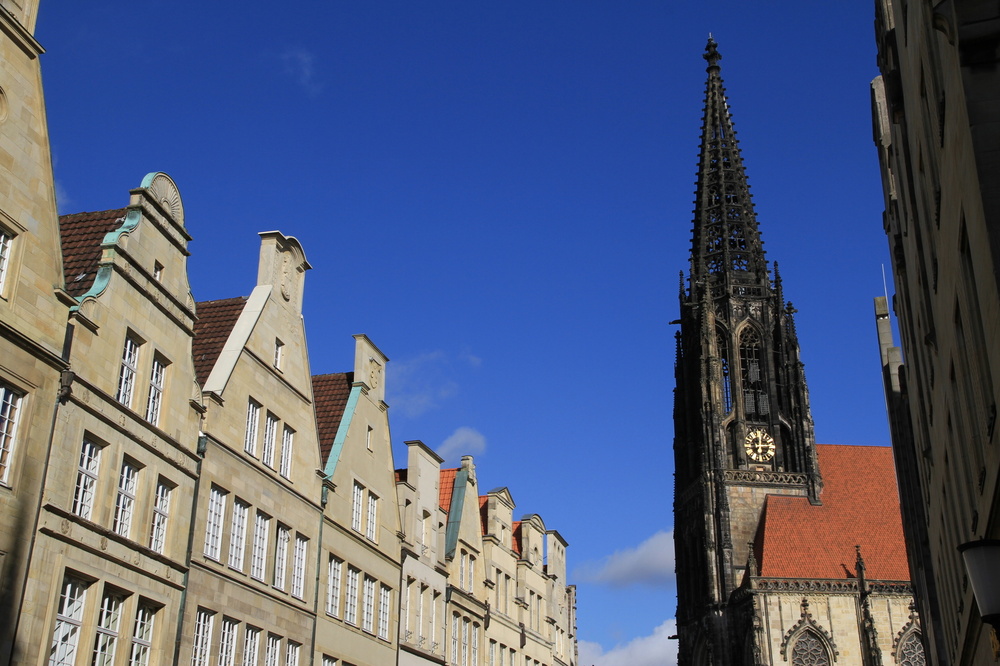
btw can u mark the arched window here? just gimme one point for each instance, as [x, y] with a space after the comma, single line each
[911, 651]
[755, 402]
[809, 650]
[725, 378]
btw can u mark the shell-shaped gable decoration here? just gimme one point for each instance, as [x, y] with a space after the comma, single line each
[164, 191]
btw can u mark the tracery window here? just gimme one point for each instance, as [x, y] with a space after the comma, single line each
[755, 401]
[911, 651]
[809, 651]
[725, 371]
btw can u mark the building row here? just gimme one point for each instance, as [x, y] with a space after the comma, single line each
[176, 487]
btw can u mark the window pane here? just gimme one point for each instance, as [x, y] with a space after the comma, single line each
[126, 377]
[69, 618]
[10, 406]
[86, 479]
[125, 502]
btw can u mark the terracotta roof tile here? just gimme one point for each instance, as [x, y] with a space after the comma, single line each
[860, 507]
[515, 530]
[484, 502]
[211, 330]
[81, 235]
[330, 394]
[401, 475]
[447, 488]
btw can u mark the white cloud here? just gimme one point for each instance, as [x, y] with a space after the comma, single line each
[463, 442]
[657, 649]
[299, 65]
[63, 201]
[420, 384]
[649, 563]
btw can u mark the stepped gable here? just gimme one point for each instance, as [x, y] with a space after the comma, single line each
[211, 331]
[81, 235]
[796, 539]
[330, 394]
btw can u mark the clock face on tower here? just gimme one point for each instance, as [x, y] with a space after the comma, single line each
[759, 445]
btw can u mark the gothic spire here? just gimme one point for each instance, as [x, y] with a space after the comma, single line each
[726, 246]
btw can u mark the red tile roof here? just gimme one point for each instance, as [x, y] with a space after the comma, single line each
[860, 507]
[447, 488]
[401, 475]
[330, 394]
[81, 235]
[211, 330]
[515, 531]
[484, 501]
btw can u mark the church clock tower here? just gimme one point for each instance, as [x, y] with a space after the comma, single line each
[742, 425]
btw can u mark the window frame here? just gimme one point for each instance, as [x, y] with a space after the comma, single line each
[125, 499]
[128, 370]
[87, 477]
[11, 405]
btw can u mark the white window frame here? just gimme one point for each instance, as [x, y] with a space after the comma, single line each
[299, 566]
[371, 528]
[69, 621]
[10, 409]
[292, 653]
[454, 638]
[238, 534]
[357, 497]
[475, 644]
[217, 501]
[253, 422]
[384, 599]
[161, 514]
[109, 620]
[351, 600]
[202, 645]
[270, 437]
[368, 605]
[86, 478]
[273, 651]
[128, 480]
[6, 239]
[279, 347]
[285, 466]
[142, 635]
[466, 626]
[251, 646]
[282, 538]
[258, 554]
[157, 374]
[227, 641]
[128, 371]
[334, 573]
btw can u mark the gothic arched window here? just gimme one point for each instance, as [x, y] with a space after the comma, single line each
[755, 402]
[725, 371]
[809, 650]
[911, 651]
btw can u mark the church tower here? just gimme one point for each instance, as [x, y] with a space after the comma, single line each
[742, 425]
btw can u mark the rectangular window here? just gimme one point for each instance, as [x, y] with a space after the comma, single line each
[86, 479]
[384, 596]
[471, 578]
[279, 347]
[238, 534]
[475, 645]
[329, 661]
[5, 239]
[270, 434]
[273, 651]
[463, 563]
[357, 497]
[253, 419]
[299, 566]
[492, 653]
[213, 522]
[351, 601]
[10, 407]
[108, 623]
[503, 655]
[142, 635]
[227, 642]
[281, 556]
[69, 619]
[251, 645]
[286, 452]
[156, 376]
[126, 378]
[292, 653]
[372, 528]
[203, 624]
[125, 503]
[465, 641]
[161, 511]
[368, 606]
[258, 557]
[333, 586]
[454, 639]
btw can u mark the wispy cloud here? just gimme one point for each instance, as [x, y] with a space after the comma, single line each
[64, 203]
[420, 384]
[649, 563]
[299, 64]
[657, 649]
[464, 441]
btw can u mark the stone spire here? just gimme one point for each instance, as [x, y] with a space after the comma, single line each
[726, 246]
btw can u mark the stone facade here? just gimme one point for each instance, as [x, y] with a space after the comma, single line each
[937, 132]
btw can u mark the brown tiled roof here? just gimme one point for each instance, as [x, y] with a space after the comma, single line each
[515, 531]
[82, 234]
[401, 475]
[211, 330]
[330, 394]
[860, 507]
[484, 501]
[447, 488]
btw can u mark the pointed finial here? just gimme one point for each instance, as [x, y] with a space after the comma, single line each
[712, 54]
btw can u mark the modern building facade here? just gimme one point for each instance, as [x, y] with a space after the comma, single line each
[937, 132]
[786, 552]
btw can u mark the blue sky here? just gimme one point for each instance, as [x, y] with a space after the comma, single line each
[499, 194]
